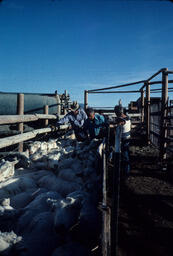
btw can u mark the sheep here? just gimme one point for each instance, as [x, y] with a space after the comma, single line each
[53, 196]
[43, 146]
[38, 155]
[33, 147]
[51, 145]
[71, 249]
[40, 204]
[19, 159]
[6, 169]
[7, 240]
[21, 200]
[40, 237]
[59, 185]
[53, 160]
[69, 175]
[67, 214]
[16, 185]
[66, 163]
[8, 215]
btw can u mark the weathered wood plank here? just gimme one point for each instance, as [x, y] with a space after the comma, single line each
[8, 141]
[11, 119]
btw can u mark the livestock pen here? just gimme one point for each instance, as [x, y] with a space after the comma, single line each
[138, 209]
[49, 191]
[61, 197]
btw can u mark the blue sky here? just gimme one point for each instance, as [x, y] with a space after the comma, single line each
[76, 45]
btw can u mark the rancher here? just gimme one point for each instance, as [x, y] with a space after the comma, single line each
[124, 120]
[95, 126]
[76, 117]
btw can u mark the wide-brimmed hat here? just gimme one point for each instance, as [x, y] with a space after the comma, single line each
[74, 107]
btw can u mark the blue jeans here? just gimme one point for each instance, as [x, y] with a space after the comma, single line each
[125, 157]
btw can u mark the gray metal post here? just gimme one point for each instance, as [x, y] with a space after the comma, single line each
[164, 114]
[142, 105]
[20, 111]
[85, 99]
[148, 112]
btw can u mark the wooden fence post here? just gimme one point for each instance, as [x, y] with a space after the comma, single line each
[148, 112]
[85, 99]
[46, 111]
[142, 106]
[20, 111]
[116, 192]
[164, 114]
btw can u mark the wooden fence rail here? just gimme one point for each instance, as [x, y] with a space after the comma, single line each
[12, 140]
[12, 119]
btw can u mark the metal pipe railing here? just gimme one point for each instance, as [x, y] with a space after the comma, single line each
[146, 87]
[118, 86]
[156, 74]
[135, 91]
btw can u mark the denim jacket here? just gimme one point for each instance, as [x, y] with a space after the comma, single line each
[76, 121]
[94, 126]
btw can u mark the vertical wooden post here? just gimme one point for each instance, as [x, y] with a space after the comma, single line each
[20, 111]
[46, 111]
[116, 192]
[142, 106]
[106, 211]
[148, 111]
[85, 99]
[164, 114]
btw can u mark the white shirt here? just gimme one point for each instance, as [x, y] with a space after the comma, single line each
[126, 128]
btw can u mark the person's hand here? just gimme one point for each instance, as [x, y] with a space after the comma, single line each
[53, 128]
[57, 116]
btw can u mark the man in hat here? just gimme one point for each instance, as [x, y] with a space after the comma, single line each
[76, 117]
[123, 120]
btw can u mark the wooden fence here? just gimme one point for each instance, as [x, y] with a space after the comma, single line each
[20, 119]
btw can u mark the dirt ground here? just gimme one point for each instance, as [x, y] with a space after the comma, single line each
[146, 206]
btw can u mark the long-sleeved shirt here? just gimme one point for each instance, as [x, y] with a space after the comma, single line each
[94, 126]
[126, 129]
[76, 121]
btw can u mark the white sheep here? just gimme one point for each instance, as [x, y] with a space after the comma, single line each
[6, 169]
[33, 147]
[71, 249]
[54, 194]
[69, 175]
[67, 214]
[7, 240]
[16, 185]
[61, 186]
[51, 145]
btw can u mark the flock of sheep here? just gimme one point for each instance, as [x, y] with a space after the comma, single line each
[48, 199]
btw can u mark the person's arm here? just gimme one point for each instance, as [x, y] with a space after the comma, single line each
[85, 126]
[63, 120]
[103, 121]
[84, 115]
